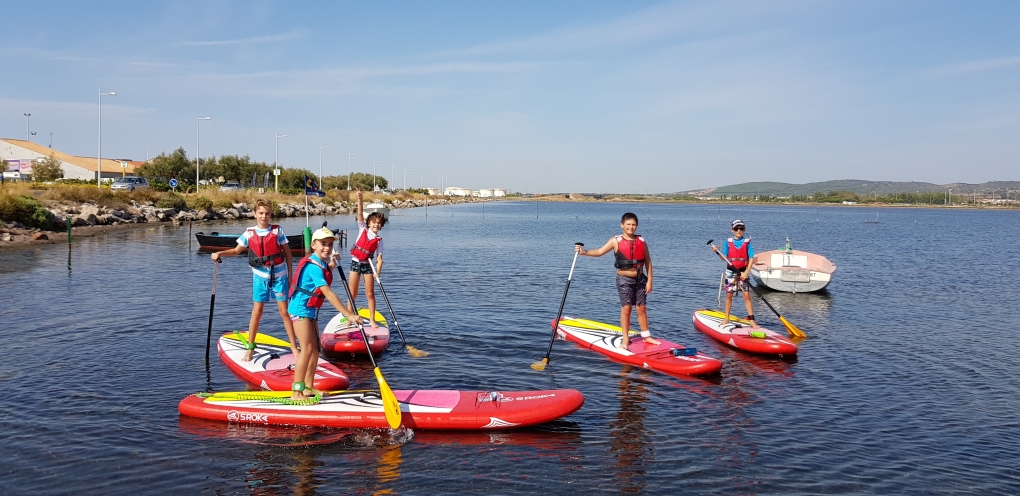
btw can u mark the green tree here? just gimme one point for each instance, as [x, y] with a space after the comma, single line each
[47, 170]
[165, 167]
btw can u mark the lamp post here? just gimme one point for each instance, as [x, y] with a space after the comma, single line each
[421, 183]
[99, 155]
[349, 155]
[198, 152]
[320, 165]
[28, 127]
[391, 176]
[276, 173]
[374, 187]
[405, 178]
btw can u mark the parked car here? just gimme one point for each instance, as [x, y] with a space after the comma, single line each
[231, 186]
[129, 183]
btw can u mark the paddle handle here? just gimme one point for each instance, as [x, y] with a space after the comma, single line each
[387, 300]
[563, 301]
[361, 327]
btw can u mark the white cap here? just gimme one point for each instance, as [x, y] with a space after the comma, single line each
[323, 233]
[736, 223]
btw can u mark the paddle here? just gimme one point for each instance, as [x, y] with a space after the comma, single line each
[792, 329]
[390, 404]
[540, 365]
[414, 352]
[212, 303]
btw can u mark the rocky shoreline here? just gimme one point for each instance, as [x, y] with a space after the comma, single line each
[91, 220]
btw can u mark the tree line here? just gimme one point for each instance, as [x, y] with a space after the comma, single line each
[161, 168]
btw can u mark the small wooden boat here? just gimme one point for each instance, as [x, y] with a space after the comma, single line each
[215, 241]
[377, 207]
[792, 271]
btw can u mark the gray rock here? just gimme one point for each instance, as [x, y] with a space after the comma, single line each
[81, 220]
[87, 210]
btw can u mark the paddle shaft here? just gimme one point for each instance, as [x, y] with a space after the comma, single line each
[387, 300]
[212, 304]
[361, 327]
[563, 301]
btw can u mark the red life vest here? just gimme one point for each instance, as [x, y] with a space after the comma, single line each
[315, 298]
[265, 251]
[630, 253]
[364, 249]
[738, 256]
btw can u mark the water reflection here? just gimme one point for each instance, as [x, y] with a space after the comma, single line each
[629, 444]
[816, 304]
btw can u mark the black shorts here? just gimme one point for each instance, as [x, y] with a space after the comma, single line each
[631, 289]
[360, 267]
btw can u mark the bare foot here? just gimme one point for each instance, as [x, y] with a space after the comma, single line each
[309, 392]
[754, 324]
[651, 340]
[247, 356]
[725, 321]
[372, 324]
[297, 396]
[624, 344]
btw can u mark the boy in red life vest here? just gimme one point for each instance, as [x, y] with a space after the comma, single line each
[369, 244]
[308, 292]
[740, 256]
[633, 275]
[270, 260]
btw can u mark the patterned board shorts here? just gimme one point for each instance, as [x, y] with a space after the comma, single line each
[631, 290]
[360, 267]
[733, 282]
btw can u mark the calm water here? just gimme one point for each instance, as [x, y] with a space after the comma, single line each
[908, 382]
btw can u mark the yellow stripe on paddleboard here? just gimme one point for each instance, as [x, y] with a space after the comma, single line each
[594, 325]
[363, 312]
[260, 338]
[263, 395]
[720, 315]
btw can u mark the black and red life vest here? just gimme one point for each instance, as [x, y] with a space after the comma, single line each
[364, 248]
[738, 256]
[630, 253]
[265, 251]
[315, 298]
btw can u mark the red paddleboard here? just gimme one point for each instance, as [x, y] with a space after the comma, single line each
[340, 337]
[272, 366]
[739, 334]
[420, 409]
[666, 357]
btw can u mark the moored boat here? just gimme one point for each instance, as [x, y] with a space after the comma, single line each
[792, 271]
[215, 241]
[377, 207]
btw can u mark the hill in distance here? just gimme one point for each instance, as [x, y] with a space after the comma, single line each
[857, 186]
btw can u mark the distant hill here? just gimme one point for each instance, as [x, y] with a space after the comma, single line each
[859, 187]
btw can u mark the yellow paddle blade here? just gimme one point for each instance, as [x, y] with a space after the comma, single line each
[792, 328]
[540, 365]
[415, 352]
[390, 404]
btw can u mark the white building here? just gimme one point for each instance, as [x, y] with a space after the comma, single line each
[486, 193]
[457, 191]
[432, 191]
[21, 155]
[498, 192]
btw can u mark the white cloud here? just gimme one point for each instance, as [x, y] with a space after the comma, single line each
[978, 66]
[300, 33]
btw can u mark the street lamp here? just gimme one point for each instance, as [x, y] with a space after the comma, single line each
[349, 155]
[198, 153]
[421, 183]
[374, 187]
[391, 176]
[320, 165]
[99, 155]
[405, 178]
[276, 183]
[28, 127]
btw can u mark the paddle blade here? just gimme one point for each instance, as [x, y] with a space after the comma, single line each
[415, 352]
[390, 404]
[792, 329]
[540, 365]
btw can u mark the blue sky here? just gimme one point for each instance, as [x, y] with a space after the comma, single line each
[563, 96]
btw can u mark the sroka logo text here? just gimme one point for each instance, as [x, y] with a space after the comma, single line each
[236, 416]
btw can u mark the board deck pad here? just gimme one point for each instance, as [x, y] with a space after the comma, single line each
[340, 337]
[271, 366]
[666, 357]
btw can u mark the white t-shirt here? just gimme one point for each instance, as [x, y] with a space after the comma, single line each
[363, 227]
